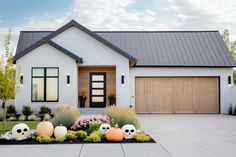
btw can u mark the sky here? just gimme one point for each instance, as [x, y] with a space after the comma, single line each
[117, 15]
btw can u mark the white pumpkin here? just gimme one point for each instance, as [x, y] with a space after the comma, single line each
[104, 128]
[128, 131]
[20, 131]
[60, 131]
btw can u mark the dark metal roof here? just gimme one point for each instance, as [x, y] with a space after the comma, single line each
[153, 48]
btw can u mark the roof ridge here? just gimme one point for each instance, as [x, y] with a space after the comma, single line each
[154, 31]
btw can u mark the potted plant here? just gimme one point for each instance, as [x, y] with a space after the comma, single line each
[112, 98]
[82, 99]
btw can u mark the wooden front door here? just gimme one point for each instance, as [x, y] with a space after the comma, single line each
[97, 89]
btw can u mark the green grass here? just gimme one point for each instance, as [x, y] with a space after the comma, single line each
[32, 125]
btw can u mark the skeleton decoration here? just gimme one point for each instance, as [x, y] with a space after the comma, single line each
[104, 128]
[128, 131]
[20, 131]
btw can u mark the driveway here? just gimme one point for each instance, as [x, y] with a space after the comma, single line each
[177, 135]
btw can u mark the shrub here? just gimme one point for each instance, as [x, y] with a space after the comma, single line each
[26, 110]
[84, 123]
[66, 115]
[81, 134]
[234, 110]
[71, 135]
[94, 137]
[1, 114]
[21, 118]
[122, 116]
[47, 117]
[11, 110]
[59, 139]
[44, 110]
[142, 137]
[11, 119]
[44, 139]
[93, 127]
[33, 118]
[230, 109]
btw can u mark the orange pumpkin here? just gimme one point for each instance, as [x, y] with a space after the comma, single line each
[114, 134]
[45, 129]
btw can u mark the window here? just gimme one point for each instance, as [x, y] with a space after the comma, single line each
[44, 86]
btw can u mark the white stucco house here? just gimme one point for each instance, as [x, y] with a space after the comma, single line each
[154, 71]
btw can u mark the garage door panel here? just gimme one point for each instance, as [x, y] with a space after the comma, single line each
[184, 95]
[143, 95]
[162, 95]
[208, 95]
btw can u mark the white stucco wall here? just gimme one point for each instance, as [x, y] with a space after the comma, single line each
[94, 53]
[227, 91]
[47, 56]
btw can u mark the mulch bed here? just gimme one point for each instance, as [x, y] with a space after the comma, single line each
[32, 142]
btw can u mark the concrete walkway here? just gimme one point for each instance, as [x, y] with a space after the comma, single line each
[182, 135]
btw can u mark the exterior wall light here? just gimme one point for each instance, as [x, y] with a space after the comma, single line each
[229, 80]
[21, 79]
[122, 79]
[68, 79]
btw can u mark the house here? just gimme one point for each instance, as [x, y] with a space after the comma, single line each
[154, 71]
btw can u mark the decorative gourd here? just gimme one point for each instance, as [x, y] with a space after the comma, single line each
[44, 129]
[114, 134]
[60, 131]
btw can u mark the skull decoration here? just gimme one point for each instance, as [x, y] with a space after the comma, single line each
[128, 131]
[104, 128]
[20, 131]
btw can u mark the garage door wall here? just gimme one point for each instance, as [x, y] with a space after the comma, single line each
[227, 94]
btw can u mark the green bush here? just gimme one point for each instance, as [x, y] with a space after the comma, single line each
[81, 134]
[66, 115]
[45, 110]
[59, 139]
[142, 137]
[11, 110]
[93, 127]
[94, 137]
[1, 114]
[230, 109]
[71, 135]
[21, 118]
[11, 119]
[122, 116]
[26, 110]
[234, 110]
[44, 139]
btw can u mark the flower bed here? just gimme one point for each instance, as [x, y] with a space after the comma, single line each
[117, 125]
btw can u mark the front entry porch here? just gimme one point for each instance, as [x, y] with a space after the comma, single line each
[97, 83]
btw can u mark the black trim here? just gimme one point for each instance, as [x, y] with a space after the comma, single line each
[97, 104]
[53, 44]
[180, 66]
[153, 31]
[45, 83]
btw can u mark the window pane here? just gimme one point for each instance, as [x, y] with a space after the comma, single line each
[97, 77]
[97, 85]
[38, 89]
[38, 72]
[97, 92]
[52, 87]
[52, 72]
[97, 99]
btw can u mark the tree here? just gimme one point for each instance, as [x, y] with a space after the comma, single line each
[7, 75]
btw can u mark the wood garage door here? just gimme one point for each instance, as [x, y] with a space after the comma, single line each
[177, 95]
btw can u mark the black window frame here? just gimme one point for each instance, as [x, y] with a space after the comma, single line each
[45, 83]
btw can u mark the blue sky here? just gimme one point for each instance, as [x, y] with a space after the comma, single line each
[117, 15]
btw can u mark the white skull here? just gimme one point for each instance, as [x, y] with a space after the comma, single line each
[104, 128]
[20, 131]
[128, 131]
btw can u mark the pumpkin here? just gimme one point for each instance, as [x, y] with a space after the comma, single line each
[114, 134]
[44, 129]
[60, 131]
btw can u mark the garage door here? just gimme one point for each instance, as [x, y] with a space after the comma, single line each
[177, 95]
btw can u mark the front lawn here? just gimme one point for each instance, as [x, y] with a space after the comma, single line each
[9, 125]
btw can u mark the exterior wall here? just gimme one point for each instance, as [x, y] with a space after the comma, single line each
[47, 56]
[227, 92]
[84, 80]
[94, 53]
